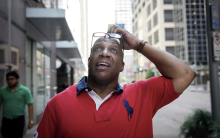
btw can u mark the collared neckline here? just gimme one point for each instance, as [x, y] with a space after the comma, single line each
[81, 85]
[19, 86]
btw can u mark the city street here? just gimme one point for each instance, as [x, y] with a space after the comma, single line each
[45, 46]
[167, 121]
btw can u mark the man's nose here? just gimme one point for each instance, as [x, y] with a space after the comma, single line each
[105, 52]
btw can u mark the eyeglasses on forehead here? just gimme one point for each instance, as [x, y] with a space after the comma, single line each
[110, 35]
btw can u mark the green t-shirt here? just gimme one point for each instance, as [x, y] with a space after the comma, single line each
[14, 103]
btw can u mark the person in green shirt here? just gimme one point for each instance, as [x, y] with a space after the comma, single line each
[14, 97]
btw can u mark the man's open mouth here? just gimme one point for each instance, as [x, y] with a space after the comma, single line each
[102, 64]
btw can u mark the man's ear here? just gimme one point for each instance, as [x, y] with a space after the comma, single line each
[122, 66]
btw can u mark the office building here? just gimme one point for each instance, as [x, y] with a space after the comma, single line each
[190, 31]
[153, 22]
[123, 18]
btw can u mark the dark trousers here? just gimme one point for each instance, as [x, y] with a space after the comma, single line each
[13, 128]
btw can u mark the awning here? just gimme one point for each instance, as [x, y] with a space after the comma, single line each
[69, 52]
[69, 49]
[51, 22]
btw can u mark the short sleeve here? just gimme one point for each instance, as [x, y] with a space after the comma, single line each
[28, 97]
[46, 127]
[159, 91]
[1, 100]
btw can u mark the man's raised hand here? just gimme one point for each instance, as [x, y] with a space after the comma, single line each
[130, 41]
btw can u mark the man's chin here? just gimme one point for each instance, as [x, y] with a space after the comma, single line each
[104, 77]
[12, 85]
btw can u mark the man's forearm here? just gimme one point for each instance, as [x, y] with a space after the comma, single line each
[169, 65]
[30, 110]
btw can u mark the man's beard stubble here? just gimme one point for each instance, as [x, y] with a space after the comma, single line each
[12, 86]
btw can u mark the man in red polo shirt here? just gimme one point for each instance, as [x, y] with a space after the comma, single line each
[99, 107]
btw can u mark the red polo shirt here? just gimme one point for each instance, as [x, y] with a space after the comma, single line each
[73, 114]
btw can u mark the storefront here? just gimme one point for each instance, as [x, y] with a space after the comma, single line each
[40, 36]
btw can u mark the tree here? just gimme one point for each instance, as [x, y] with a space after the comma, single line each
[150, 74]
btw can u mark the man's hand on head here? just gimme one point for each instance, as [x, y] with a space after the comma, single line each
[130, 41]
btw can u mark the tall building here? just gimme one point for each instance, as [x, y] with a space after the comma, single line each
[153, 22]
[44, 46]
[123, 13]
[123, 18]
[85, 48]
[190, 31]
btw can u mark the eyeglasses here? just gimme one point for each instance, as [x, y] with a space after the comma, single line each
[11, 79]
[109, 35]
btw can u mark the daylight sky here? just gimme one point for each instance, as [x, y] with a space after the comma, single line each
[100, 14]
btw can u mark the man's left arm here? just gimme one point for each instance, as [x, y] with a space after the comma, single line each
[30, 111]
[168, 65]
[29, 101]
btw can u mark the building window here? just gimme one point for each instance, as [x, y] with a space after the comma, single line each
[148, 9]
[167, 1]
[170, 49]
[155, 19]
[154, 4]
[143, 4]
[149, 25]
[14, 57]
[150, 40]
[2, 56]
[43, 76]
[169, 34]
[156, 37]
[168, 16]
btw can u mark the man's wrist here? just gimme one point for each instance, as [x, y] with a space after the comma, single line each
[141, 46]
[31, 121]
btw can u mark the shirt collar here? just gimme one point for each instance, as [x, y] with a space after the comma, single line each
[19, 87]
[81, 85]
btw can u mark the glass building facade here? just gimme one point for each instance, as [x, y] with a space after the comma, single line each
[190, 31]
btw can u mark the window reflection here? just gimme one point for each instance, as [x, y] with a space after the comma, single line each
[43, 77]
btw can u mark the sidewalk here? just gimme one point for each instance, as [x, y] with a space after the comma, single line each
[199, 88]
[168, 120]
[30, 132]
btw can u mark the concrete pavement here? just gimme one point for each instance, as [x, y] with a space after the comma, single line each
[30, 132]
[167, 121]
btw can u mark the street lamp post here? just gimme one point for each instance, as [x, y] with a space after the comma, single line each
[213, 66]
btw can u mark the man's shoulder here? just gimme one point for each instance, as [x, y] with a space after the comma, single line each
[24, 88]
[4, 88]
[68, 93]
